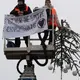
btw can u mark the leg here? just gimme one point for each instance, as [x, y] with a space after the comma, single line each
[17, 42]
[39, 35]
[26, 40]
[45, 36]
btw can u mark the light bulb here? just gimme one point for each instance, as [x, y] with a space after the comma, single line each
[50, 67]
[68, 66]
[65, 70]
[60, 63]
[74, 73]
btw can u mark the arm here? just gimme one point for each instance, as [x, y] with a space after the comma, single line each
[27, 12]
[57, 20]
[13, 12]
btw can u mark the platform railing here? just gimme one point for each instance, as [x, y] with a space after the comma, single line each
[35, 50]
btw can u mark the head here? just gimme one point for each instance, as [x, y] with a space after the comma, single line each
[21, 2]
[48, 3]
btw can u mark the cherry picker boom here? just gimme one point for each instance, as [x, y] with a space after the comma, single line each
[65, 45]
[30, 53]
[34, 52]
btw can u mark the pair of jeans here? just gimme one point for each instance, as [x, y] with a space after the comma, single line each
[18, 42]
[44, 37]
[51, 32]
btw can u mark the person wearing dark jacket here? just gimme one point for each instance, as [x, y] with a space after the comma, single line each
[21, 9]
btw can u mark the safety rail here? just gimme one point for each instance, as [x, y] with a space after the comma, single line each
[36, 51]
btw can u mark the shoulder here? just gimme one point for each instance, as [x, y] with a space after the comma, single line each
[28, 7]
[54, 10]
[16, 6]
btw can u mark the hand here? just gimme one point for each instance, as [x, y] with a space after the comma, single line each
[21, 13]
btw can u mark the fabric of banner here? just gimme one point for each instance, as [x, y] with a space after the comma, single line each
[25, 25]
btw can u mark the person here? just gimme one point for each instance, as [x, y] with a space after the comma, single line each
[51, 12]
[21, 9]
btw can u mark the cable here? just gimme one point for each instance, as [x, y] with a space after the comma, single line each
[17, 67]
[45, 54]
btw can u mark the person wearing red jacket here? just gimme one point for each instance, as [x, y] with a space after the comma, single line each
[52, 18]
[21, 9]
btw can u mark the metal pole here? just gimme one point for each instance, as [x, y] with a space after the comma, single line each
[61, 49]
[53, 30]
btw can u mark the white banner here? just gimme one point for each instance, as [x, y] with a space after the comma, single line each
[25, 25]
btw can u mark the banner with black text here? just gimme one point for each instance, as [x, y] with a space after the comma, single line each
[25, 25]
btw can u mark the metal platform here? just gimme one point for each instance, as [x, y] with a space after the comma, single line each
[35, 51]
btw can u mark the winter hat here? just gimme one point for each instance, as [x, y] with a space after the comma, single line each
[21, 0]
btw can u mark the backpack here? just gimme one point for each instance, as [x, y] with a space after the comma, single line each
[10, 44]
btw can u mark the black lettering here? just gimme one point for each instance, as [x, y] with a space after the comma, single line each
[9, 22]
[8, 29]
[18, 30]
